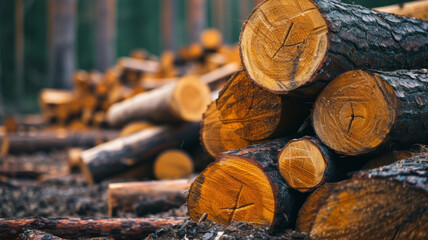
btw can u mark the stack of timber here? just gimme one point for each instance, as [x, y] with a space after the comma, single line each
[362, 73]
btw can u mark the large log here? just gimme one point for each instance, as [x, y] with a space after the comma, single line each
[385, 203]
[291, 44]
[416, 9]
[245, 185]
[121, 154]
[184, 100]
[147, 197]
[256, 114]
[361, 111]
[118, 228]
[47, 140]
[217, 137]
[305, 164]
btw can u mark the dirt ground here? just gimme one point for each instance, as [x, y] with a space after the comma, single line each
[39, 184]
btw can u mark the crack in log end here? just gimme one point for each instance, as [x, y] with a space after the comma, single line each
[274, 34]
[352, 116]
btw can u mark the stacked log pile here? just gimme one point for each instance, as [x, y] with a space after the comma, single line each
[362, 73]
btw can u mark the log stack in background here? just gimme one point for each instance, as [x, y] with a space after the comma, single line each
[344, 62]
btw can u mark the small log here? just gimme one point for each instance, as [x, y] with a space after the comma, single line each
[211, 39]
[416, 9]
[245, 185]
[173, 164]
[138, 65]
[134, 127]
[118, 228]
[184, 100]
[121, 154]
[217, 137]
[383, 203]
[47, 140]
[305, 164]
[256, 114]
[37, 235]
[149, 197]
[386, 159]
[216, 78]
[308, 43]
[73, 158]
[361, 111]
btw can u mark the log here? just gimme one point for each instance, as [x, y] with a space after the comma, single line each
[256, 114]
[361, 111]
[47, 140]
[73, 158]
[173, 164]
[211, 39]
[305, 164]
[216, 78]
[184, 100]
[134, 127]
[147, 197]
[387, 202]
[137, 65]
[118, 228]
[217, 137]
[245, 186]
[308, 43]
[387, 158]
[416, 9]
[121, 154]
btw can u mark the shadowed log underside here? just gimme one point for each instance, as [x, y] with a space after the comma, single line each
[360, 111]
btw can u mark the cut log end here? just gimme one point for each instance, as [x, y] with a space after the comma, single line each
[246, 193]
[355, 112]
[283, 43]
[173, 164]
[217, 137]
[302, 164]
[211, 38]
[190, 98]
[251, 111]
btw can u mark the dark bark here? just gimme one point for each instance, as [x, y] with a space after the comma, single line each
[37, 141]
[111, 158]
[411, 123]
[118, 228]
[361, 38]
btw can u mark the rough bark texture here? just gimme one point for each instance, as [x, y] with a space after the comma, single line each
[121, 154]
[118, 228]
[147, 197]
[262, 156]
[36, 141]
[388, 202]
[358, 38]
[37, 235]
[364, 111]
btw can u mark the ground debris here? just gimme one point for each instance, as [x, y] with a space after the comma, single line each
[209, 230]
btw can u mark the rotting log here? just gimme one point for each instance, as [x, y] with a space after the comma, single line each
[46, 140]
[147, 197]
[121, 154]
[361, 111]
[184, 100]
[257, 114]
[217, 137]
[173, 164]
[245, 186]
[118, 228]
[305, 164]
[305, 44]
[387, 202]
[416, 9]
